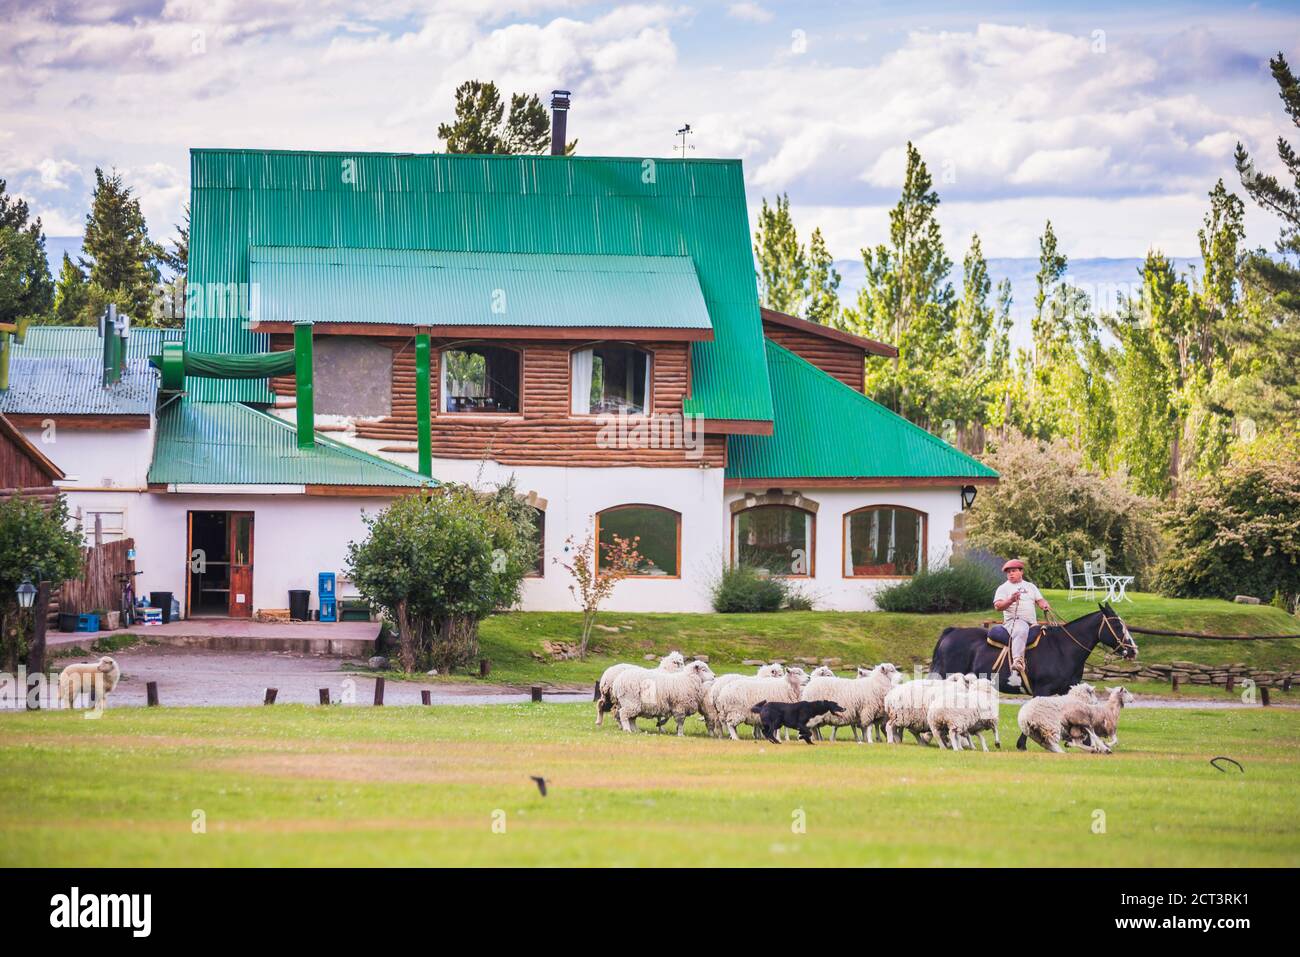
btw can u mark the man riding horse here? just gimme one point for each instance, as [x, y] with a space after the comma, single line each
[1016, 599]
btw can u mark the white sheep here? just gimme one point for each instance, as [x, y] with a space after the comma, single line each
[861, 697]
[734, 703]
[962, 711]
[907, 707]
[1043, 719]
[673, 661]
[709, 706]
[74, 679]
[1102, 730]
[661, 694]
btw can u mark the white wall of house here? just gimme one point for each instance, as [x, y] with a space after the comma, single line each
[573, 497]
[97, 458]
[829, 587]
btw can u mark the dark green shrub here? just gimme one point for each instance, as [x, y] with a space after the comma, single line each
[963, 585]
[740, 588]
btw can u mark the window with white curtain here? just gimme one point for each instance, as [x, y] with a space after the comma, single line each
[611, 379]
[883, 541]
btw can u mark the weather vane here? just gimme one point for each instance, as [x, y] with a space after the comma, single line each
[683, 133]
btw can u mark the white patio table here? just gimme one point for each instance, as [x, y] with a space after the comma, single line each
[1116, 585]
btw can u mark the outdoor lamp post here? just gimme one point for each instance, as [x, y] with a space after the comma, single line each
[967, 497]
[26, 593]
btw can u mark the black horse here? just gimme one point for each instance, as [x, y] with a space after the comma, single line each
[1054, 666]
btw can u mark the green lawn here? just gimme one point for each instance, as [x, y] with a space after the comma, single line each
[859, 637]
[420, 786]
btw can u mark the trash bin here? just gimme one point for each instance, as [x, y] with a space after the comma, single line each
[163, 600]
[299, 604]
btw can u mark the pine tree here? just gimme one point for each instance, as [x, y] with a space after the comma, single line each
[907, 300]
[823, 283]
[1271, 326]
[71, 295]
[122, 263]
[26, 288]
[483, 126]
[782, 261]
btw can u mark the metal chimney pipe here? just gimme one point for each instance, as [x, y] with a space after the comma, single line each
[559, 120]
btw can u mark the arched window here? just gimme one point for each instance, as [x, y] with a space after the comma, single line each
[660, 537]
[480, 378]
[884, 541]
[776, 537]
[610, 378]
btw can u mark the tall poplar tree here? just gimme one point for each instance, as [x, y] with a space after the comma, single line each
[782, 261]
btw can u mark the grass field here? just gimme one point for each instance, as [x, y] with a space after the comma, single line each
[423, 786]
[510, 640]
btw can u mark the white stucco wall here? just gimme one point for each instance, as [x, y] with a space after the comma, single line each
[94, 458]
[828, 586]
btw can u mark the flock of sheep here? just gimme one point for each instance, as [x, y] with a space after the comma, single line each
[952, 712]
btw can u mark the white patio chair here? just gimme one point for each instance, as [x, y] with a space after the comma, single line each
[1090, 585]
[1076, 581]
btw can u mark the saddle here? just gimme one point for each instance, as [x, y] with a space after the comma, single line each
[999, 637]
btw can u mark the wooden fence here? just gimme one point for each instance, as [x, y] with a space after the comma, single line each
[98, 586]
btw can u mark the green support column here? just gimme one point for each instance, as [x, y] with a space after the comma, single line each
[302, 380]
[423, 414]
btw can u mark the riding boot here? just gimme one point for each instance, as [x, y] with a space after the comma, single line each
[1017, 672]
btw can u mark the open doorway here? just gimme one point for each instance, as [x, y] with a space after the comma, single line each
[220, 561]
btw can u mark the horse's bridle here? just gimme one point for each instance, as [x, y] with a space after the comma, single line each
[1121, 643]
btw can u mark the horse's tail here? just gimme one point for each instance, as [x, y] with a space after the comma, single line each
[936, 657]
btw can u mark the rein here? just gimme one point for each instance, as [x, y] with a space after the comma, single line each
[1056, 620]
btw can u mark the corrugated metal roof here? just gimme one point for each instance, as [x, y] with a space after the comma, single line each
[59, 370]
[432, 287]
[206, 443]
[866, 440]
[502, 204]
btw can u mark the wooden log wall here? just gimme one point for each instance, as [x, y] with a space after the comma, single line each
[843, 361]
[543, 432]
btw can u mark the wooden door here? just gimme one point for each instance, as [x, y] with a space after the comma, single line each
[241, 564]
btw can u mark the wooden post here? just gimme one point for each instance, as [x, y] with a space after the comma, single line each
[595, 691]
[1286, 683]
[151, 693]
[484, 667]
[426, 696]
[1263, 695]
[537, 692]
[379, 692]
[324, 695]
[1176, 678]
[1232, 682]
[270, 695]
[36, 652]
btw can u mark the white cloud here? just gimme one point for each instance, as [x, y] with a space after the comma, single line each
[751, 12]
[54, 173]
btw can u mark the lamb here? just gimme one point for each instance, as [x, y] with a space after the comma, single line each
[863, 698]
[907, 707]
[661, 694]
[1102, 728]
[1043, 719]
[734, 701]
[85, 676]
[961, 712]
[604, 696]
[709, 708]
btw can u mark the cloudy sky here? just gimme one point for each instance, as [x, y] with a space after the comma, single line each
[1114, 122]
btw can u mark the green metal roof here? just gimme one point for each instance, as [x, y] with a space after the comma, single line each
[59, 370]
[227, 443]
[434, 287]
[552, 205]
[825, 429]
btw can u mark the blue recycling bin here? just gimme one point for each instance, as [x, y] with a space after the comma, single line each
[329, 609]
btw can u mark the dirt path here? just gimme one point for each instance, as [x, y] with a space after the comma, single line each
[197, 677]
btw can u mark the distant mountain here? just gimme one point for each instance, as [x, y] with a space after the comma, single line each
[1103, 279]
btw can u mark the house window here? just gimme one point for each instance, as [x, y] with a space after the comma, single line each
[884, 541]
[778, 538]
[100, 526]
[659, 531]
[539, 541]
[611, 378]
[480, 379]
